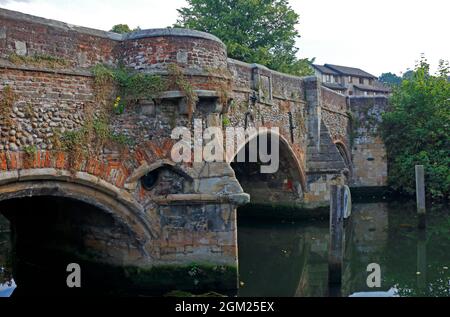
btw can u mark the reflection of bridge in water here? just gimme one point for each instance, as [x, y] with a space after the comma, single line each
[412, 262]
[293, 257]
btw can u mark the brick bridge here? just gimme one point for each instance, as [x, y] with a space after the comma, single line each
[129, 204]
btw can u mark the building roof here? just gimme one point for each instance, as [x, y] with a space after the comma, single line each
[325, 70]
[349, 71]
[377, 88]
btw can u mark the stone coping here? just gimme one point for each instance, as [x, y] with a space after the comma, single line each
[14, 15]
[171, 32]
[265, 68]
[162, 32]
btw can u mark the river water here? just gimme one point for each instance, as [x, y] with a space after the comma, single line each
[289, 258]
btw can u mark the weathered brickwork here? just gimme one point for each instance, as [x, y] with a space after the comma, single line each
[142, 51]
[45, 103]
[26, 35]
[188, 212]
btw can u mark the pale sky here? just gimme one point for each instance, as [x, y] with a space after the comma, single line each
[377, 36]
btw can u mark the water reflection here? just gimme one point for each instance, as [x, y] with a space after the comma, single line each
[290, 259]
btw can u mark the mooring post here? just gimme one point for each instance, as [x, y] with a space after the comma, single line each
[420, 196]
[335, 251]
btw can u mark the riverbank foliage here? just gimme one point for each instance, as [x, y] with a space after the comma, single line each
[416, 131]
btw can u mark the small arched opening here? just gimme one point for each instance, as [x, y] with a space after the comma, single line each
[53, 223]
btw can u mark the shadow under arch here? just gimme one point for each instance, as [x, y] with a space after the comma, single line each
[144, 169]
[290, 177]
[82, 187]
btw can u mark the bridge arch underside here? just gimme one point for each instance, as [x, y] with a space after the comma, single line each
[69, 218]
[285, 186]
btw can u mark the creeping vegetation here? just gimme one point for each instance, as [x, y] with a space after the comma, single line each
[7, 99]
[177, 78]
[40, 60]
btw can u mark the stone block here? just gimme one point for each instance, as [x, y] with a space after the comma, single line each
[2, 33]
[182, 57]
[148, 109]
[21, 48]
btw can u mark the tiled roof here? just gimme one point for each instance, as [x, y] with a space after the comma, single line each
[325, 70]
[349, 71]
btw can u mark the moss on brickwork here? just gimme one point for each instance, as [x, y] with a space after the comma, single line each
[7, 99]
[130, 85]
[225, 121]
[40, 60]
[177, 79]
[29, 154]
[96, 132]
[91, 138]
[223, 84]
[193, 277]
[173, 279]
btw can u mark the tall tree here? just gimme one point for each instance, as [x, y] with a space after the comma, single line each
[417, 131]
[120, 28]
[255, 31]
[390, 79]
[123, 28]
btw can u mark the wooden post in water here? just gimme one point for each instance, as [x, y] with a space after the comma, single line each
[420, 196]
[335, 251]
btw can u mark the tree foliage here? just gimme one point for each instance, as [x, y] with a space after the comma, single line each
[390, 79]
[417, 131]
[254, 31]
[123, 28]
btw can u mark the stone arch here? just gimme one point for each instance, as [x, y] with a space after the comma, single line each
[346, 155]
[82, 187]
[290, 162]
[133, 179]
